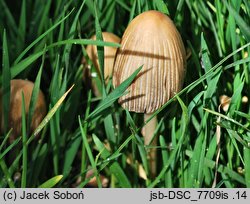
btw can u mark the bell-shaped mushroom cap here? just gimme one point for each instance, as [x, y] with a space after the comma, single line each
[15, 115]
[151, 40]
[109, 53]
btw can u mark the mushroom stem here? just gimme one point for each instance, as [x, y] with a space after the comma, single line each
[148, 134]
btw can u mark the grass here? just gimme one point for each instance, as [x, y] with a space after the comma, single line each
[45, 42]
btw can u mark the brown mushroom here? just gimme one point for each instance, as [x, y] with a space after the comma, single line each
[151, 40]
[15, 115]
[225, 102]
[109, 54]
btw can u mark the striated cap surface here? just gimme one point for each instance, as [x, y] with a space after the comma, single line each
[151, 40]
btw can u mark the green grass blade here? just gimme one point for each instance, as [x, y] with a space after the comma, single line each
[56, 82]
[179, 10]
[231, 35]
[213, 80]
[113, 96]
[51, 182]
[222, 169]
[221, 23]
[9, 148]
[196, 163]
[210, 155]
[131, 121]
[244, 27]
[83, 42]
[70, 153]
[165, 157]
[247, 116]
[40, 38]
[54, 132]
[247, 6]
[10, 18]
[72, 30]
[115, 168]
[206, 63]
[161, 6]
[237, 63]
[132, 11]
[123, 4]
[108, 121]
[57, 88]
[194, 102]
[5, 84]
[227, 118]
[90, 4]
[109, 128]
[172, 158]
[89, 152]
[7, 174]
[22, 26]
[4, 142]
[100, 50]
[37, 165]
[62, 27]
[43, 18]
[236, 99]
[234, 135]
[176, 151]
[22, 65]
[49, 115]
[140, 144]
[34, 95]
[213, 28]
[247, 166]
[84, 156]
[24, 141]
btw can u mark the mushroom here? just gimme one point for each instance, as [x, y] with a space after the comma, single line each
[109, 53]
[152, 40]
[15, 115]
[225, 102]
[109, 56]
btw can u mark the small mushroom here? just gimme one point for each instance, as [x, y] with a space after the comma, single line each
[109, 54]
[15, 115]
[225, 102]
[151, 40]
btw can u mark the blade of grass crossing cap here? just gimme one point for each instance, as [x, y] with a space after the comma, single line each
[35, 93]
[113, 96]
[100, 50]
[25, 146]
